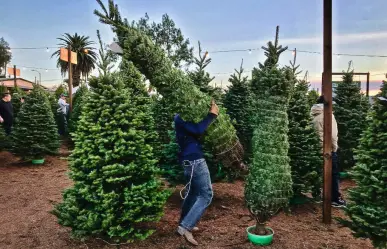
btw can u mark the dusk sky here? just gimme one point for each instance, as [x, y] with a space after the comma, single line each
[360, 27]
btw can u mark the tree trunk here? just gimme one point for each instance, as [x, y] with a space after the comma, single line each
[260, 229]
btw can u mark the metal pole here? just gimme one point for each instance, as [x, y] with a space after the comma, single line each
[70, 85]
[327, 92]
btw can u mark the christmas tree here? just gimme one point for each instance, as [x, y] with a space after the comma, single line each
[3, 139]
[17, 96]
[367, 207]
[116, 192]
[312, 97]
[350, 114]
[78, 101]
[304, 145]
[35, 134]
[172, 83]
[236, 101]
[202, 79]
[269, 183]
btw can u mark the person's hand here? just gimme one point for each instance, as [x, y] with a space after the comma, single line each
[1, 120]
[214, 108]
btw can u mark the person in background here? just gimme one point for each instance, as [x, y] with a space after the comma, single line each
[62, 114]
[6, 113]
[317, 113]
[198, 194]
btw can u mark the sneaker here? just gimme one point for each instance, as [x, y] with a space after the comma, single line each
[339, 203]
[195, 230]
[187, 235]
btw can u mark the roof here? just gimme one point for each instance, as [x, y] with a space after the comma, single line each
[22, 83]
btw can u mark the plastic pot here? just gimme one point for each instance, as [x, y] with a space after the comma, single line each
[344, 175]
[262, 240]
[38, 161]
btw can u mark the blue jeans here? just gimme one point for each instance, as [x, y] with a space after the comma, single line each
[198, 194]
[335, 177]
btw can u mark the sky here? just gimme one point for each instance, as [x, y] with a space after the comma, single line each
[359, 27]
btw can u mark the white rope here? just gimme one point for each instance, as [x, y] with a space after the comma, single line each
[189, 183]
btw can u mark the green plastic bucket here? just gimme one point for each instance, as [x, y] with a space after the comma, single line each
[344, 175]
[38, 161]
[262, 240]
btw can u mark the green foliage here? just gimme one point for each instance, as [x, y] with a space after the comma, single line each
[3, 89]
[350, 112]
[5, 56]
[202, 79]
[106, 58]
[61, 89]
[3, 139]
[171, 83]
[116, 191]
[237, 102]
[35, 134]
[269, 183]
[169, 38]
[17, 95]
[78, 101]
[86, 56]
[312, 97]
[304, 151]
[368, 202]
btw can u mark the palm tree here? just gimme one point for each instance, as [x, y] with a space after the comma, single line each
[86, 57]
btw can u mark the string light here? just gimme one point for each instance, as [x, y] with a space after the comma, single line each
[47, 50]
[250, 51]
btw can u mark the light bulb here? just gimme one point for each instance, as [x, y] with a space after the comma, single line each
[293, 52]
[46, 70]
[249, 51]
[207, 55]
[47, 50]
[338, 56]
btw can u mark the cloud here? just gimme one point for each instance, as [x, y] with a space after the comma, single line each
[339, 38]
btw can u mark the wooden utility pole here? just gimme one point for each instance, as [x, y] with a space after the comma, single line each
[70, 84]
[327, 93]
[14, 77]
[368, 85]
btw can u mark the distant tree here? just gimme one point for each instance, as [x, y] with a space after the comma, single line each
[169, 37]
[312, 97]
[86, 57]
[106, 57]
[350, 114]
[5, 56]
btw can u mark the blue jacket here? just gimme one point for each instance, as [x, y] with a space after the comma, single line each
[187, 136]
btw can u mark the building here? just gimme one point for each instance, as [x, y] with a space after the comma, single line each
[23, 84]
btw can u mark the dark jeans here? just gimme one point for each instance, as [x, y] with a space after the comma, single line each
[198, 194]
[335, 177]
[62, 124]
[7, 129]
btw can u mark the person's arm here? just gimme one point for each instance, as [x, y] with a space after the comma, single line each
[334, 134]
[199, 128]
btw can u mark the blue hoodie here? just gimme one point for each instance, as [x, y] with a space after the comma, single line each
[187, 136]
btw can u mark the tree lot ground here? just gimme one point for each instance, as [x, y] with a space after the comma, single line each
[28, 193]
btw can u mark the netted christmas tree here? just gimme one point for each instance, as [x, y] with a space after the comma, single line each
[312, 97]
[304, 145]
[367, 206]
[269, 183]
[116, 192]
[350, 115]
[78, 101]
[35, 134]
[236, 101]
[3, 139]
[172, 83]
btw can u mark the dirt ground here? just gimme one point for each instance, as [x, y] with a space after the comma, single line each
[28, 193]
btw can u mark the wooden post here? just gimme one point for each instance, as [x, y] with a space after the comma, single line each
[70, 84]
[14, 76]
[327, 92]
[368, 85]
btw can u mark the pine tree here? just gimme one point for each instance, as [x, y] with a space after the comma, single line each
[269, 183]
[116, 190]
[304, 145]
[367, 208]
[351, 118]
[236, 101]
[78, 101]
[3, 139]
[312, 97]
[17, 95]
[202, 79]
[172, 83]
[35, 134]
